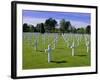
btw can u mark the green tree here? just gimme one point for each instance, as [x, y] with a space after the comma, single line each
[73, 30]
[62, 25]
[65, 26]
[88, 29]
[50, 24]
[31, 28]
[68, 27]
[37, 27]
[26, 28]
[42, 30]
[81, 30]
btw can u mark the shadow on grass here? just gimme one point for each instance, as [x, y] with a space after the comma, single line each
[59, 61]
[81, 55]
[40, 50]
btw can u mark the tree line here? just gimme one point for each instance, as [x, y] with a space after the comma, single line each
[50, 26]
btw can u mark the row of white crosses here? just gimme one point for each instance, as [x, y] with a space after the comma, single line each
[36, 41]
[87, 43]
[74, 44]
[78, 39]
[44, 39]
[35, 45]
[54, 42]
[66, 39]
[28, 38]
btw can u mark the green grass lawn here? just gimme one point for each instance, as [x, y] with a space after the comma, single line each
[61, 56]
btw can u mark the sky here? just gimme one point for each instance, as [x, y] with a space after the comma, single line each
[77, 19]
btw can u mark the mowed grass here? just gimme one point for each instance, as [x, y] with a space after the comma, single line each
[61, 55]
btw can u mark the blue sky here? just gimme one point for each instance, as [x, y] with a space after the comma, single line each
[76, 19]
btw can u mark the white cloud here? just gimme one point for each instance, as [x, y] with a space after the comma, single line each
[33, 21]
[79, 24]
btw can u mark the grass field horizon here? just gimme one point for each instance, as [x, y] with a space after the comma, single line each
[61, 55]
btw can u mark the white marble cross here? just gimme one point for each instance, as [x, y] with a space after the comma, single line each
[73, 48]
[35, 45]
[44, 39]
[36, 35]
[49, 53]
[87, 43]
[78, 41]
[55, 42]
[87, 46]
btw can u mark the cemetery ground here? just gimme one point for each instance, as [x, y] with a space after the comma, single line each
[61, 56]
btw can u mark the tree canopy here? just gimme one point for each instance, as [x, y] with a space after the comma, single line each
[65, 26]
[50, 25]
[88, 29]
